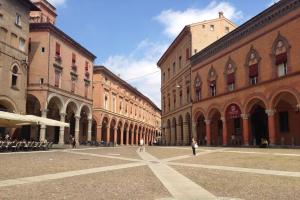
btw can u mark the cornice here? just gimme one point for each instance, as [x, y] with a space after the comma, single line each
[256, 23]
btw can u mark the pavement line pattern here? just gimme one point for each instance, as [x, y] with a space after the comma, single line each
[103, 156]
[61, 175]
[178, 185]
[240, 169]
[261, 153]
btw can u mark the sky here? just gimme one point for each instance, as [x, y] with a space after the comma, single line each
[129, 36]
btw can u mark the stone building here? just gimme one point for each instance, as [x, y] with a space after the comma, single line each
[59, 79]
[121, 114]
[14, 31]
[247, 84]
[176, 76]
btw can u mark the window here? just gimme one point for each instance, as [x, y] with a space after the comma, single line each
[212, 27]
[226, 29]
[164, 76]
[203, 26]
[86, 91]
[114, 103]
[174, 67]
[284, 121]
[29, 45]
[174, 99]
[179, 62]
[121, 105]
[18, 20]
[168, 73]
[21, 44]
[213, 88]
[198, 94]
[3, 34]
[14, 40]
[14, 77]
[43, 49]
[73, 86]
[73, 58]
[253, 74]
[106, 102]
[281, 62]
[57, 49]
[280, 50]
[188, 98]
[180, 97]
[230, 82]
[57, 78]
[198, 88]
[187, 54]
[253, 80]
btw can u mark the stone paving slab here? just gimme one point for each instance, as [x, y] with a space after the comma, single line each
[132, 183]
[167, 152]
[257, 161]
[244, 185]
[24, 165]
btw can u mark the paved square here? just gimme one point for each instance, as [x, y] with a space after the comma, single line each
[158, 173]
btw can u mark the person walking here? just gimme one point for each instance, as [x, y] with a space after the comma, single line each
[142, 148]
[73, 143]
[194, 146]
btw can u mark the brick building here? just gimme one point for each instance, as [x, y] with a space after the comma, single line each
[14, 31]
[121, 114]
[176, 81]
[59, 80]
[246, 85]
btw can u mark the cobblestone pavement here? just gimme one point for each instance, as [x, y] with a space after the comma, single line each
[160, 173]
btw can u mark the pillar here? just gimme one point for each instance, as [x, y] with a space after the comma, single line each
[178, 131]
[61, 139]
[173, 133]
[137, 137]
[245, 118]
[89, 134]
[185, 133]
[272, 129]
[77, 120]
[43, 127]
[122, 135]
[132, 135]
[127, 136]
[208, 132]
[224, 134]
[115, 135]
[107, 135]
[99, 133]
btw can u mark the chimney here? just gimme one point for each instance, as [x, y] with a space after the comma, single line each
[221, 14]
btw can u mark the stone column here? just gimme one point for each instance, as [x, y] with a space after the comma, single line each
[122, 135]
[185, 133]
[61, 139]
[132, 135]
[43, 127]
[272, 128]
[99, 133]
[179, 139]
[115, 135]
[107, 135]
[173, 130]
[137, 137]
[77, 120]
[127, 136]
[245, 118]
[89, 134]
[224, 134]
[208, 133]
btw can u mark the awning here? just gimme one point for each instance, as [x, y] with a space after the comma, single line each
[8, 119]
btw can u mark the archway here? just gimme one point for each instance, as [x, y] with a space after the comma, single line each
[71, 111]
[104, 129]
[119, 132]
[287, 117]
[234, 124]
[6, 105]
[125, 133]
[201, 130]
[83, 127]
[54, 109]
[113, 125]
[216, 128]
[94, 130]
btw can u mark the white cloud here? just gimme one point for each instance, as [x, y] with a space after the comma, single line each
[272, 2]
[57, 2]
[174, 21]
[139, 68]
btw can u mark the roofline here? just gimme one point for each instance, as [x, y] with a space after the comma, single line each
[35, 27]
[130, 87]
[45, 6]
[252, 25]
[32, 6]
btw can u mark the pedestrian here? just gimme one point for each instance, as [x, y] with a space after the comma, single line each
[73, 143]
[142, 148]
[194, 146]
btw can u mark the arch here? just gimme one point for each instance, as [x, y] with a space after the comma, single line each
[197, 112]
[86, 108]
[228, 103]
[200, 135]
[283, 92]
[74, 106]
[8, 103]
[212, 109]
[55, 96]
[250, 99]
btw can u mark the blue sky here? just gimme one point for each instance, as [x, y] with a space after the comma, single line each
[129, 36]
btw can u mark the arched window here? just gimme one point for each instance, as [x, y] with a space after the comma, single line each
[198, 84]
[252, 62]
[280, 55]
[174, 99]
[14, 76]
[230, 69]
[212, 81]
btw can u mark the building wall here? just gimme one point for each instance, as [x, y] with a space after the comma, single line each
[129, 108]
[13, 54]
[270, 92]
[176, 76]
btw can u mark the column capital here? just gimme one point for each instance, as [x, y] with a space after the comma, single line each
[77, 117]
[223, 119]
[115, 128]
[245, 116]
[63, 114]
[44, 110]
[271, 112]
[207, 121]
[99, 126]
[90, 119]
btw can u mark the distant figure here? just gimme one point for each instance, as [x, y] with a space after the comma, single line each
[142, 147]
[7, 136]
[73, 143]
[264, 143]
[194, 146]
